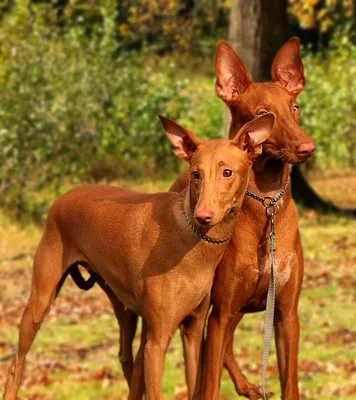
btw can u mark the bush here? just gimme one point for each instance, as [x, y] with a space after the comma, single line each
[328, 103]
[68, 105]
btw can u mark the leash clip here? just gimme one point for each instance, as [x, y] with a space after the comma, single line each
[272, 237]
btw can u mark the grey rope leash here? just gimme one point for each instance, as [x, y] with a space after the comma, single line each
[270, 307]
[272, 208]
[205, 238]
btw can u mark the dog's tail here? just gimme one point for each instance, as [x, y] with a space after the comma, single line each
[78, 279]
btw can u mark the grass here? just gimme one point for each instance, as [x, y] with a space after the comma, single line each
[75, 353]
[340, 187]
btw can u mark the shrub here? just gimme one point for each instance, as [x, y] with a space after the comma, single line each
[328, 103]
[69, 104]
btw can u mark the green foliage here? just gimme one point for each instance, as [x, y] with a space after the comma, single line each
[165, 24]
[70, 104]
[205, 115]
[328, 103]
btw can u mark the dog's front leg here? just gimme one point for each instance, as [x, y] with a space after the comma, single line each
[158, 338]
[137, 384]
[287, 341]
[214, 349]
[192, 330]
[286, 326]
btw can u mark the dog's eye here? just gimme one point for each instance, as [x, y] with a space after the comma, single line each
[262, 112]
[195, 175]
[227, 173]
[295, 108]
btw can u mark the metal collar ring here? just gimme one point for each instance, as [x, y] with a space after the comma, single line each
[267, 204]
[272, 210]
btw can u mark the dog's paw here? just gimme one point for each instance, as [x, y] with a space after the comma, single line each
[255, 392]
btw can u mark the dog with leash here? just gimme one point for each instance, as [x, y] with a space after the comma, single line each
[157, 252]
[243, 277]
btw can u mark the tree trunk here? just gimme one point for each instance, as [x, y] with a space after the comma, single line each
[258, 28]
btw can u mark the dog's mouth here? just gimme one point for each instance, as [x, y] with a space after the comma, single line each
[205, 226]
[272, 163]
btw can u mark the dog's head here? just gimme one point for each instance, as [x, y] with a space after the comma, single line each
[247, 100]
[219, 169]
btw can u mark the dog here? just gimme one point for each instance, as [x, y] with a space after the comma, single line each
[157, 252]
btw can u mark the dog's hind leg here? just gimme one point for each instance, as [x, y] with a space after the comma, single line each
[47, 273]
[128, 325]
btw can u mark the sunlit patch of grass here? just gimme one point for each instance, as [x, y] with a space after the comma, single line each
[311, 352]
[85, 332]
[340, 187]
[16, 237]
[328, 238]
[227, 387]
[87, 390]
[9, 334]
[315, 387]
[330, 291]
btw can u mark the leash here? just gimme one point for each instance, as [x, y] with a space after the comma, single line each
[272, 209]
[205, 238]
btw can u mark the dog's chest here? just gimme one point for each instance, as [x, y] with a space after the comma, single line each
[180, 288]
[284, 269]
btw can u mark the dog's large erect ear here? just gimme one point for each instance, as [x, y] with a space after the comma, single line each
[183, 140]
[287, 67]
[255, 132]
[232, 77]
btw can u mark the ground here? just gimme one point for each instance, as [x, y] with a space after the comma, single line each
[75, 353]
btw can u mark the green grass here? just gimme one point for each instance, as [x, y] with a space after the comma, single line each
[75, 352]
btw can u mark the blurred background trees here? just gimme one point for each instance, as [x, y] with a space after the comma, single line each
[81, 82]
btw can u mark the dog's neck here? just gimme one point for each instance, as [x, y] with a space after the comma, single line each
[268, 176]
[267, 179]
